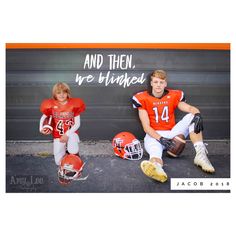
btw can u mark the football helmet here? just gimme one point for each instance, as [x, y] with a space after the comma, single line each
[71, 168]
[127, 146]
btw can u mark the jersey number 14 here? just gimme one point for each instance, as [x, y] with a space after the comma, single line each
[164, 115]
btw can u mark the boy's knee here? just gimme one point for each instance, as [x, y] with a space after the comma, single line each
[74, 149]
[73, 144]
[188, 118]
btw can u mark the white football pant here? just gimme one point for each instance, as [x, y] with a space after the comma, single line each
[59, 149]
[155, 149]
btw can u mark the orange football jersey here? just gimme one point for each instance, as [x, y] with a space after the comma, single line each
[160, 110]
[63, 115]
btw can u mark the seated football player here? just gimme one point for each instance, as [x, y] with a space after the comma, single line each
[156, 108]
[65, 112]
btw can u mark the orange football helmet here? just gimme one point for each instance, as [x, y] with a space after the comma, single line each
[71, 168]
[127, 146]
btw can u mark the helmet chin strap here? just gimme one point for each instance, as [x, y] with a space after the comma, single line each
[81, 178]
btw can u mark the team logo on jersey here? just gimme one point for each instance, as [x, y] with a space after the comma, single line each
[168, 96]
[55, 107]
[63, 115]
[159, 103]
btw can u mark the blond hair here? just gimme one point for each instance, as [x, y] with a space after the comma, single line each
[60, 86]
[155, 74]
[161, 74]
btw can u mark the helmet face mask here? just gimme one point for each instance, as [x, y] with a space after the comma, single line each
[133, 151]
[126, 146]
[69, 175]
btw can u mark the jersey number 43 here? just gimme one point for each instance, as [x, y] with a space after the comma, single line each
[61, 128]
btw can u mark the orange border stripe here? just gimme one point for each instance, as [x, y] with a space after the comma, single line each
[190, 46]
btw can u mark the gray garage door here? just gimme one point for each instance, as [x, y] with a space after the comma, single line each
[106, 79]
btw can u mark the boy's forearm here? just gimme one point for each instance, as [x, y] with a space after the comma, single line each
[194, 110]
[150, 131]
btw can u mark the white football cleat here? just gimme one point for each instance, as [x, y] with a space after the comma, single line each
[153, 171]
[202, 160]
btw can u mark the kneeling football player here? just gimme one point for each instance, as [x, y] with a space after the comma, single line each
[65, 120]
[156, 108]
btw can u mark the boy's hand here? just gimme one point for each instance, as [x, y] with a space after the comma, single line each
[167, 143]
[46, 131]
[64, 138]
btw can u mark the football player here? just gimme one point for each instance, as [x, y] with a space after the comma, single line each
[156, 108]
[65, 112]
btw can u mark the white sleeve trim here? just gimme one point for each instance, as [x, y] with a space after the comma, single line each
[182, 95]
[43, 117]
[136, 100]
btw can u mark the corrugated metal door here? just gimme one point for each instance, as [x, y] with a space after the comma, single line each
[204, 76]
